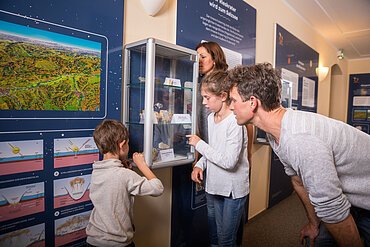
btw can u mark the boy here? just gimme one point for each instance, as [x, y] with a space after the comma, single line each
[113, 187]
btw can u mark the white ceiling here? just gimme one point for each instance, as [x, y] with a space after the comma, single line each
[345, 24]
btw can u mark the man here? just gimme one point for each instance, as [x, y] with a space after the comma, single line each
[328, 161]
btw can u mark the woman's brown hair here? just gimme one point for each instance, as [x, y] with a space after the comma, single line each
[217, 54]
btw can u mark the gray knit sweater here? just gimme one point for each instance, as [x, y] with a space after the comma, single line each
[112, 192]
[332, 159]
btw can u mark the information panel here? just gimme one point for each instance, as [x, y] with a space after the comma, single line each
[232, 24]
[359, 102]
[60, 75]
[298, 63]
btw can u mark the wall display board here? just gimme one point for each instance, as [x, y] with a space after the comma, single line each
[298, 63]
[359, 102]
[232, 24]
[60, 75]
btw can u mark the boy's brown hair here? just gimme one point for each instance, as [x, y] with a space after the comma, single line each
[108, 134]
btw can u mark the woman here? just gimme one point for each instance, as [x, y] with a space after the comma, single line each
[211, 58]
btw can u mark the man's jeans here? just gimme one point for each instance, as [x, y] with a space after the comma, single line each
[224, 216]
[362, 219]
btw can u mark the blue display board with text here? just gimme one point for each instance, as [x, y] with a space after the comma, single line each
[297, 62]
[232, 24]
[60, 75]
[359, 102]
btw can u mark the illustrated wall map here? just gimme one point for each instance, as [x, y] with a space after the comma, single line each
[359, 102]
[71, 228]
[44, 70]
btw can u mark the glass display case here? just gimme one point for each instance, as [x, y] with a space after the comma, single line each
[160, 87]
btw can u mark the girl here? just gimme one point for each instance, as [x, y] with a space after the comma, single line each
[225, 161]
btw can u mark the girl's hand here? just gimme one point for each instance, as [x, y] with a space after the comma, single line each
[197, 175]
[193, 139]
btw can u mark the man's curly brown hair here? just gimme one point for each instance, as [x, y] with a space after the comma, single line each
[261, 81]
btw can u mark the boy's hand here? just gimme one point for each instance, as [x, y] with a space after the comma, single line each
[193, 139]
[139, 159]
[142, 165]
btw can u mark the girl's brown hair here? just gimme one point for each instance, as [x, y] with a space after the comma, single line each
[215, 84]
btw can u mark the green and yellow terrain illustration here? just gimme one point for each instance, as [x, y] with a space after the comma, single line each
[39, 76]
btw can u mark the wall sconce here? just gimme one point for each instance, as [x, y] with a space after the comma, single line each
[152, 7]
[322, 72]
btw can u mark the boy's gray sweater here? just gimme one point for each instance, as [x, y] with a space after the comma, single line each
[112, 192]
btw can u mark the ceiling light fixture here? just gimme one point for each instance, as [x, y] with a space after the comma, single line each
[340, 54]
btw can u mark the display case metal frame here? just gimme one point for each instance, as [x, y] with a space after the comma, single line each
[171, 50]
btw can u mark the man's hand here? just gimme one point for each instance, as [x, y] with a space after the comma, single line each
[311, 231]
[197, 175]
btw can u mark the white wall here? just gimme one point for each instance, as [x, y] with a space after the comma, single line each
[138, 25]
[359, 66]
